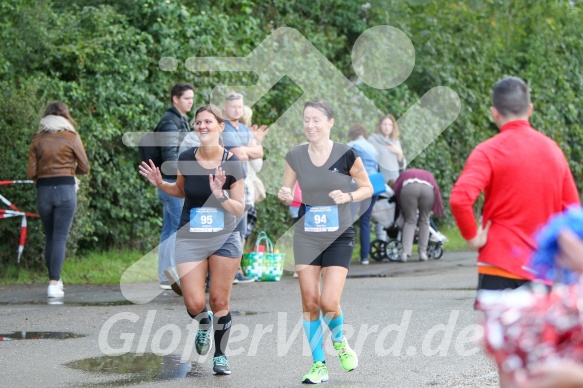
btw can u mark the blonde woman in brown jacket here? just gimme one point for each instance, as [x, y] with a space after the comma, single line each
[56, 156]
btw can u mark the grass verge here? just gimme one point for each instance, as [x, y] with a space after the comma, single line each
[94, 268]
[108, 267]
[455, 240]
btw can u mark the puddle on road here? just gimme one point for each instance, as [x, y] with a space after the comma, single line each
[28, 335]
[140, 369]
[62, 301]
[370, 275]
[433, 289]
[124, 302]
[236, 313]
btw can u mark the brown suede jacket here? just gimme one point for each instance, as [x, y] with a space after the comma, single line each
[56, 154]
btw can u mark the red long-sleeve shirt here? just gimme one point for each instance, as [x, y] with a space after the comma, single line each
[526, 179]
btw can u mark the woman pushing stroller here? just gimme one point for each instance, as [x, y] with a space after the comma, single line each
[417, 194]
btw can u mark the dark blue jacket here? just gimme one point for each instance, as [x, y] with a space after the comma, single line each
[176, 126]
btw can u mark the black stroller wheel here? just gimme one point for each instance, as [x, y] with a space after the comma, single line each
[435, 250]
[377, 250]
[393, 250]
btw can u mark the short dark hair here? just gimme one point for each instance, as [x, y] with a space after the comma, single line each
[510, 96]
[179, 89]
[357, 131]
[323, 106]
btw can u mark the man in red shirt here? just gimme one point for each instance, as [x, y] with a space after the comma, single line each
[525, 179]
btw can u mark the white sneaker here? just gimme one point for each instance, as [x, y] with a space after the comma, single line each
[60, 285]
[54, 291]
[403, 258]
[443, 238]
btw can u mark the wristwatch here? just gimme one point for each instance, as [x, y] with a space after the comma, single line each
[225, 196]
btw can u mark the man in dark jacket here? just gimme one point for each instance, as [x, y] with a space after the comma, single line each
[175, 125]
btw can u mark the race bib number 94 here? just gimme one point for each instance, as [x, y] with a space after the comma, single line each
[206, 219]
[321, 219]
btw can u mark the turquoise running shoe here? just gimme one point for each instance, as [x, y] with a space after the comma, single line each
[204, 338]
[221, 365]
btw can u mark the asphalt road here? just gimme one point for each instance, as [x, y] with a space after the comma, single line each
[412, 325]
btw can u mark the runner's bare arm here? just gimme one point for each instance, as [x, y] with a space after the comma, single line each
[285, 193]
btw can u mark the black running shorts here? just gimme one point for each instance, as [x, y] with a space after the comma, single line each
[322, 249]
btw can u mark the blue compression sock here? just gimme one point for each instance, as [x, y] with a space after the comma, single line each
[314, 332]
[335, 326]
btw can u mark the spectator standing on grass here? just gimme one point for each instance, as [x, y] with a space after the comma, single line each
[56, 155]
[417, 195]
[390, 155]
[246, 146]
[252, 181]
[174, 122]
[368, 153]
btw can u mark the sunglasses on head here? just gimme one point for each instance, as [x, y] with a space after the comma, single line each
[234, 96]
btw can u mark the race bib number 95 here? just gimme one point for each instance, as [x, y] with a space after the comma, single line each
[206, 219]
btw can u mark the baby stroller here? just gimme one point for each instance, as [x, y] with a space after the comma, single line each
[385, 213]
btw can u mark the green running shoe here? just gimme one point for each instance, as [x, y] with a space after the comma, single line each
[348, 358]
[318, 374]
[221, 366]
[204, 338]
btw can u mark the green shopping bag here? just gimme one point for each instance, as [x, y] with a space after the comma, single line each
[263, 263]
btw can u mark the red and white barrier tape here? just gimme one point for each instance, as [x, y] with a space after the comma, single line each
[8, 203]
[15, 212]
[11, 213]
[13, 182]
